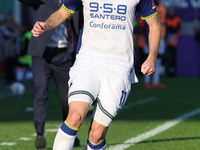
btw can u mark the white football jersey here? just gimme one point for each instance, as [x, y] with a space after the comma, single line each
[108, 25]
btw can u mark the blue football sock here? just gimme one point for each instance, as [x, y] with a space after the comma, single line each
[65, 137]
[98, 146]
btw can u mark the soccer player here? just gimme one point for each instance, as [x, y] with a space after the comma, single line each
[104, 68]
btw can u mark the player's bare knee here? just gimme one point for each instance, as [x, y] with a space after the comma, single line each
[96, 136]
[75, 119]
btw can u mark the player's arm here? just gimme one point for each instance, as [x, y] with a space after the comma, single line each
[148, 67]
[56, 19]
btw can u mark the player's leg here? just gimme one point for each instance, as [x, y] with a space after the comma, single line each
[97, 135]
[84, 88]
[113, 93]
[98, 129]
[67, 132]
[61, 74]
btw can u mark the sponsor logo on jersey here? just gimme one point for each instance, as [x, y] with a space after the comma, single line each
[107, 26]
[107, 11]
[108, 16]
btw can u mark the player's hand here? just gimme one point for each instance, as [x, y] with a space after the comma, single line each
[148, 67]
[38, 28]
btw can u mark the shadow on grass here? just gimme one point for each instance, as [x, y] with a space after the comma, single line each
[170, 140]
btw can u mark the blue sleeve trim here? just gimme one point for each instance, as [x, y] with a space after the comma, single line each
[79, 42]
[146, 9]
[73, 5]
[68, 10]
[151, 16]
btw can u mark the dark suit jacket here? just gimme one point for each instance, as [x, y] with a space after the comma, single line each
[37, 45]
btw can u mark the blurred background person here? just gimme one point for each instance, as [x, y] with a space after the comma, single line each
[53, 53]
[162, 12]
[11, 33]
[12, 49]
[197, 37]
[173, 31]
[23, 66]
[2, 46]
[139, 45]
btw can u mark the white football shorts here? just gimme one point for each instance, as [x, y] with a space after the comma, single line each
[97, 80]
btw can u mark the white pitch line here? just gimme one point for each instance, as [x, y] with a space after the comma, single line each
[8, 144]
[52, 130]
[154, 131]
[25, 138]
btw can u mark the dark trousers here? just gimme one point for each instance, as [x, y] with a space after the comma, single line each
[42, 71]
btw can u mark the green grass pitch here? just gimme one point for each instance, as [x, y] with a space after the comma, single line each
[144, 110]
